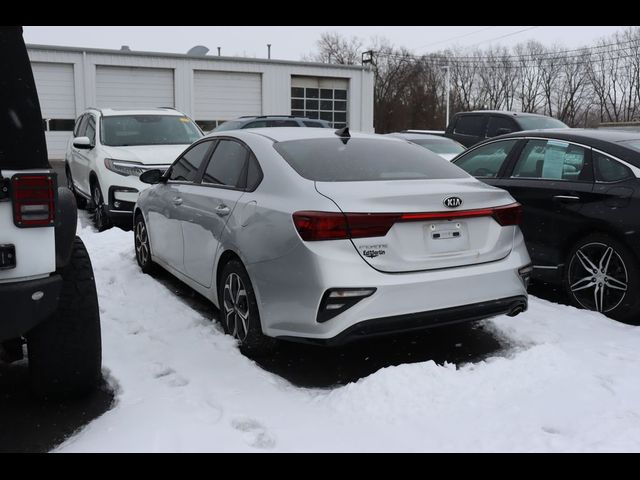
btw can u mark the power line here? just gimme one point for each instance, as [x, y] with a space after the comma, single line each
[505, 36]
[456, 38]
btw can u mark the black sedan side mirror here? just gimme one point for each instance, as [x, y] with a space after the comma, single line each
[151, 177]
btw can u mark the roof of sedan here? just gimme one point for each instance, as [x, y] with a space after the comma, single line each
[114, 112]
[419, 136]
[283, 134]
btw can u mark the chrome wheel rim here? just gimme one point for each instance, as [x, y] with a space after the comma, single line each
[142, 243]
[598, 277]
[236, 307]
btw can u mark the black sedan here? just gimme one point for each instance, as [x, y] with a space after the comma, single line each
[580, 190]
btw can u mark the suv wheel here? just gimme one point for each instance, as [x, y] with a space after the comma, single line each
[81, 202]
[100, 218]
[239, 310]
[65, 352]
[602, 275]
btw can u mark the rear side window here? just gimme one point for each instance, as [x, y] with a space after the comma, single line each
[282, 123]
[309, 123]
[551, 160]
[487, 160]
[364, 159]
[610, 170]
[469, 125]
[228, 165]
[187, 167]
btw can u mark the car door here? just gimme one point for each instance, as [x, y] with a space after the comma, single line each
[166, 210]
[553, 180]
[209, 206]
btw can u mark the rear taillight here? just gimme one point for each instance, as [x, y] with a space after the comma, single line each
[508, 215]
[33, 200]
[314, 226]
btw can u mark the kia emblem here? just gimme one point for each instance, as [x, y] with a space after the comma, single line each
[452, 202]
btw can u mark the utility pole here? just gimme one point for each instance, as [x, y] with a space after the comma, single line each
[447, 83]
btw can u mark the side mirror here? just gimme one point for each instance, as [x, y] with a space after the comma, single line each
[503, 131]
[151, 177]
[82, 143]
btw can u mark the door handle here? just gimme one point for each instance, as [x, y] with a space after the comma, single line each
[566, 198]
[177, 201]
[222, 210]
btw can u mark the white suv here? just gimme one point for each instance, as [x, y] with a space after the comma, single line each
[110, 149]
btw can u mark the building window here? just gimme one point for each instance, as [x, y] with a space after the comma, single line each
[320, 103]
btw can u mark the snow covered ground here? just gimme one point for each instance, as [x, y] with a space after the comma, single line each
[568, 383]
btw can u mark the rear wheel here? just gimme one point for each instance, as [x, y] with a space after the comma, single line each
[239, 310]
[100, 218]
[65, 352]
[81, 202]
[602, 275]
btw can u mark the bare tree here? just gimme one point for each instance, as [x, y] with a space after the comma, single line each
[334, 48]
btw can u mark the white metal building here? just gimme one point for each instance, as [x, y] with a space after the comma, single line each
[210, 89]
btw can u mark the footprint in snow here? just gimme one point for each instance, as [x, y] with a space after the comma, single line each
[170, 376]
[255, 434]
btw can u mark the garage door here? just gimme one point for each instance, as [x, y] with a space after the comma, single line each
[226, 95]
[55, 85]
[133, 87]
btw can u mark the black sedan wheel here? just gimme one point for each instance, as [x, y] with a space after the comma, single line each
[601, 275]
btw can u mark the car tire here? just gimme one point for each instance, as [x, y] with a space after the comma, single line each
[81, 202]
[142, 245]
[602, 274]
[65, 351]
[239, 311]
[100, 217]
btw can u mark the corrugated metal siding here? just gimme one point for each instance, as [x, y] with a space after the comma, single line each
[315, 82]
[55, 85]
[57, 144]
[134, 87]
[226, 95]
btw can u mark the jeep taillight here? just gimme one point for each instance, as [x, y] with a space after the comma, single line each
[33, 200]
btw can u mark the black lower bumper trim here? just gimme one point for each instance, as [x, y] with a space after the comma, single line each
[421, 321]
[19, 312]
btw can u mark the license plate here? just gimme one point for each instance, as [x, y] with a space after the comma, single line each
[7, 257]
[446, 237]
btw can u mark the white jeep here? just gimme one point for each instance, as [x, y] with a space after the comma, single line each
[48, 295]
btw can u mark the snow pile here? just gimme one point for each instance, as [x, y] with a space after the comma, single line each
[569, 383]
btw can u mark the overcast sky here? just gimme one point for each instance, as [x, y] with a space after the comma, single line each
[289, 42]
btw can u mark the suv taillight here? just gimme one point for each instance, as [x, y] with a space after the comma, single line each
[34, 200]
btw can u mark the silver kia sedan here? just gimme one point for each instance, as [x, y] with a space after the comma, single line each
[324, 236]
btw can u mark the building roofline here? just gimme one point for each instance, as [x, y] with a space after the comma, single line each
[60, 48]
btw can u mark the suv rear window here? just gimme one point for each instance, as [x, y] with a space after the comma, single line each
[364, 159]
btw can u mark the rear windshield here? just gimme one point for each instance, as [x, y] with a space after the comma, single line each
[540, 123]
[129, 130]
[440, 146]
[364, 159]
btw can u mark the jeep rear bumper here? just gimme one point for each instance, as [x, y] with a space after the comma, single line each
[23, 305]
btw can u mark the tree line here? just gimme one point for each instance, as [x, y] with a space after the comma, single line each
[582, 87]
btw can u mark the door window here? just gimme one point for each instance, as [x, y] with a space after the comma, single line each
[487, 160]
[552, 160]
[187, 167]
[500, 126]
[228, 165]
[91, 129]
[469, 125]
